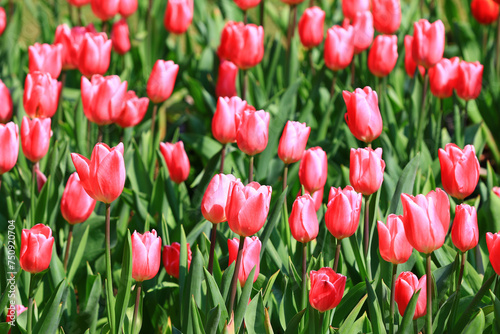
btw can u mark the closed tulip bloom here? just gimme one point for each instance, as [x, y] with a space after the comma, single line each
[428, 42]
[313, 169]
[250, 257]
[464, 231]
[103, 98]
[366, 171]
[426, 220]
[19, 310]
[443, 77]
[9, 146]
[247, 207]
[134, 111]
[496, 191]
[45, 58]
[35, 138]
[293, 142]
[41, 179]
[253, 131]
[459, 170]
[76, 204]
[162, 80]
[342, 213]
[317, 197]
[226, 118]
[171, 258]
[339, 47]
[226, 79]
[79, 3]
[178, 15]
[247, 4]
[303, 220]
[406, 285]
[71, 40]
[36, 248]
[410, 64]
[146, 255]
[363, 114]
[362, 31]
[6, 106]
[484, 11]
[249, 47]
[103, 176]
[230, 40]
[469, 80]
[327, 289]
[177, 161]
[493, 243]
[41, 95]
[351, 7]
[128, 7]
[120, 37]
[213, 204]
[3, 20]
[386, 15]
[311, 27]
[105, 9]
[95, 54]
[393, 245]
[383, 55]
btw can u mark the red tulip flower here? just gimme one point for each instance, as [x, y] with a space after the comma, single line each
[19, 309]
[128, 7]
[178, 15]
[45, 58]
[410, 64]
[313, 169]
[459, 170]
[171, 258]
[35, 138]
[134, 111]
[386, 15]
[6, 107]
[3, 20]
[311, 27]
[366, 171]
[493, 243]
[363, 114]
[443, 77]
[36, 248]
[146, 255]
[71, 40]
[327, 289]
[293, 142]
[105, 9]
[247, 4]
[177, 161]
[303, 220]
[464, 231]
[79, 3]
[250, 257]
[339, 47]
[406, 285]
[351, 7]
[363, 31]
[242, 44]
[76, 204]
[484, 11]
[226, 120]
[342, 213]
[9, 146]
[41, 179]
[469, 80]
[428, 42]
[253, 131]
[103, 176]
[213, 204]
[41, 95]
[162, 80]
[426, 220]
[317, 197]
[226, 79]
[393, 245]
[383, 55]
[496, 191]
[120, 37]
[95, 54]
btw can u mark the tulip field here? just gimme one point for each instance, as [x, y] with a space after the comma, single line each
[249, 166]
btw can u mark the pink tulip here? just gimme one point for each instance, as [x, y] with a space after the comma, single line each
[250, 257]
[311, 27]
[226, 80]
[428, 42]
[362, 31]
[242, 44]
[247, 4]
[162, 80]
[128, 7]
[317, 197]
[177, 161]
[383, 55]
[406, 286]
[313, 169]
[366, 171]
[351, 7]
[146, 255]
[464, 231]
[6, 107]
[386, 15]
[303, 220]
[469, 80]
[134, 111]
[171, 256]
[9, 146]
[71, 40]
[493, 243]
[253, 131]
[293, 142]
[227, 117]
[105, 9]
[79, 3]
[95, 54]
[41, 179]
[363, 114]
[213, 204]
[36, 248]
[41, 95]
[342, 213]
[45, 58]
[339, 47]
[410, 64]
[35, 138]
[120, 37]
[496, 191]
[178, 15]
[327, 289]
[443, 77]
[393, 245]
[3, 20]
[76, 204]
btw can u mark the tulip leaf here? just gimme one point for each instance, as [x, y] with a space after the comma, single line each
[407, 321]
[87, 318]
[348, 303]
[496, 306]
[349, 321]
[476, 325]
[49, 320]
[255, 316]
[123, 296]
[243, 300]
[293, 324]
[215, 295]
[443, 314]
[196, 324]
[213, 319]
[193, 283]
[405, 185]
[269, 287]
[274, 217]
[225, 284]
[375, 313]
[78, 256]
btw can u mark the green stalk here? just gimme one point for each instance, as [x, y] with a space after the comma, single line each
[68, 245]
[213, 239]
[304, 282]
[30, 305]
[222, 159]
[285, 230]
[234, 281]
[135, 319]
[429, 296]
[337, 255]
[393, 285]
[461, 271]
[33, 193]
[422, 116]
[244, 85]
[109, 275]
[498, 47]
[250, 171]
[366, 232]
[153, 121]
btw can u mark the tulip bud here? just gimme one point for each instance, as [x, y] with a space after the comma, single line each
[406, 285]
[41, 95]
[469, 80]
[162, 80]
[41, 179]
[171, 261]
[496, 191]
[293, 142]
[76, 204]
[303, 220]
[177, 161]
[45, 58]
[292, 2]
[342, 213]
[79, 3]
[128, 7]
[363, 31]
[484, 11]
[366, 171]
[410, 64]
[105, 9]
[213, 204]
[9, 146]
[351, 7]
[227, 48]
[311, 27]
[134, 111]
[428, 42]
[146, 255]
[327, 289]
[242, 44]
[247, 207]
[383, 55]
[227, 118]
[103, 176]
[253, 131]
[95, 54]
[178, 15]
[464, 231]
[3, 20]
[363, 114]
[6, 106]
[393, 245]
[250, 257]
[339, 47]
[313, 169]
[459, 170]
[120, 37]
[317, 197]
[71, 40]
[386, 15]
[36, 248]
[247, 4]
[493, 243]
[103, 98]
[426, 220]
[443, 77]
[19, 309]
[226, 80]
[35, 138]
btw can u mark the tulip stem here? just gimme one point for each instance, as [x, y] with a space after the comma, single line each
[109, 275]
[0, 181]
[415, 327]
[213, 239]
[68, 245]
[30, 305]
[153, 121]
[250, 172]
[438, 127]
[337, 255]
[33, 193]
[100, 134]
[234, 281]
[79, 15]
[261, 13]
[321, 319]
[498, 46]
[311, 62]
[367, 227]
[429, 296]
[304, 275]
[393, 285]
[60, 110]
[353, 73]
[136, 308]
[461, 272]
[422, 116]
[222, 158]
[334, 82]
[245, 17]
[244, 86]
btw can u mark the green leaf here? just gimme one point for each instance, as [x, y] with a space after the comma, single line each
[349, 302]
[269, 287]
[407, 322]
[215, 296]
[293, 324]
[49, 320]
[88, 317]
[226, 280]
[193, 284]
[196, 323]
[255, 316]
[78, 256]
[349, 321]
[213, 319]
[243, 301]
[273, 220]
[405, 185]
[375, 313]
[496, 305]
[123, 295]
[476, 325]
